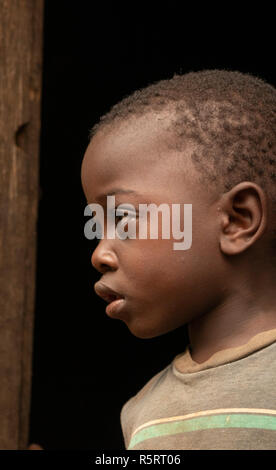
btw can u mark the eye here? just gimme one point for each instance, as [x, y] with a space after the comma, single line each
[119, 217]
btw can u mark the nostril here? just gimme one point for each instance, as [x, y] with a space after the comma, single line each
[103, 268]
[104, 260]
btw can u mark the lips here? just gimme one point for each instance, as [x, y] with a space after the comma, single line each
[106, 293]
[116, 301]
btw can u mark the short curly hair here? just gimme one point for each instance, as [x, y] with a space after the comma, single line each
[229, 115]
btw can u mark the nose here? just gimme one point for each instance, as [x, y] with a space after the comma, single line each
[103, 258]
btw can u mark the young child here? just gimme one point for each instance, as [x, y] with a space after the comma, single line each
[208, 139]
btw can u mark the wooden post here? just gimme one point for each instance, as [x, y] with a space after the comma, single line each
[21, 25]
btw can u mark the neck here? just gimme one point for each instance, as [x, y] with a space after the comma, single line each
[242, 315]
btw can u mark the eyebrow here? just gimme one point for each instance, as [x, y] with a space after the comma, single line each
[114, 191]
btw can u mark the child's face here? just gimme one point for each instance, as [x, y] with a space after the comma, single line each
[163, 288]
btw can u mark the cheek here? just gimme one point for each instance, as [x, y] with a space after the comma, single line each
[153, 266]
[150, 264]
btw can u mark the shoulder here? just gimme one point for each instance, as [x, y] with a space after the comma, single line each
[149, 385]
[131, 407]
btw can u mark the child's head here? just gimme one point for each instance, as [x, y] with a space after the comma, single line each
[207, 139]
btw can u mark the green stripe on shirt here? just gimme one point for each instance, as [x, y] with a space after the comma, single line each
[235, 420]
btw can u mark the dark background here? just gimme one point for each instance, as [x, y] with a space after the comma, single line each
[85, 364]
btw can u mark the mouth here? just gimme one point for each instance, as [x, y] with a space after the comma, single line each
[114, 299]
[106, 293]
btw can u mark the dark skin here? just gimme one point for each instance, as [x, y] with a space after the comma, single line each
[223, 286]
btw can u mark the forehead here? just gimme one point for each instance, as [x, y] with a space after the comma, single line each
[137, 154]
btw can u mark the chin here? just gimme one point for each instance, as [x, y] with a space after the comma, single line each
[143, 332]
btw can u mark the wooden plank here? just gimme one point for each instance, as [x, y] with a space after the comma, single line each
[21, 26]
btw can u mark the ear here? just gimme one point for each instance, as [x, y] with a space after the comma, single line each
[243, 213]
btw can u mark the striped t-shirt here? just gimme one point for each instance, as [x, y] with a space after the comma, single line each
[227, 402]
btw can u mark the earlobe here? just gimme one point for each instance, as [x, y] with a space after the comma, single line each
[243, 217]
